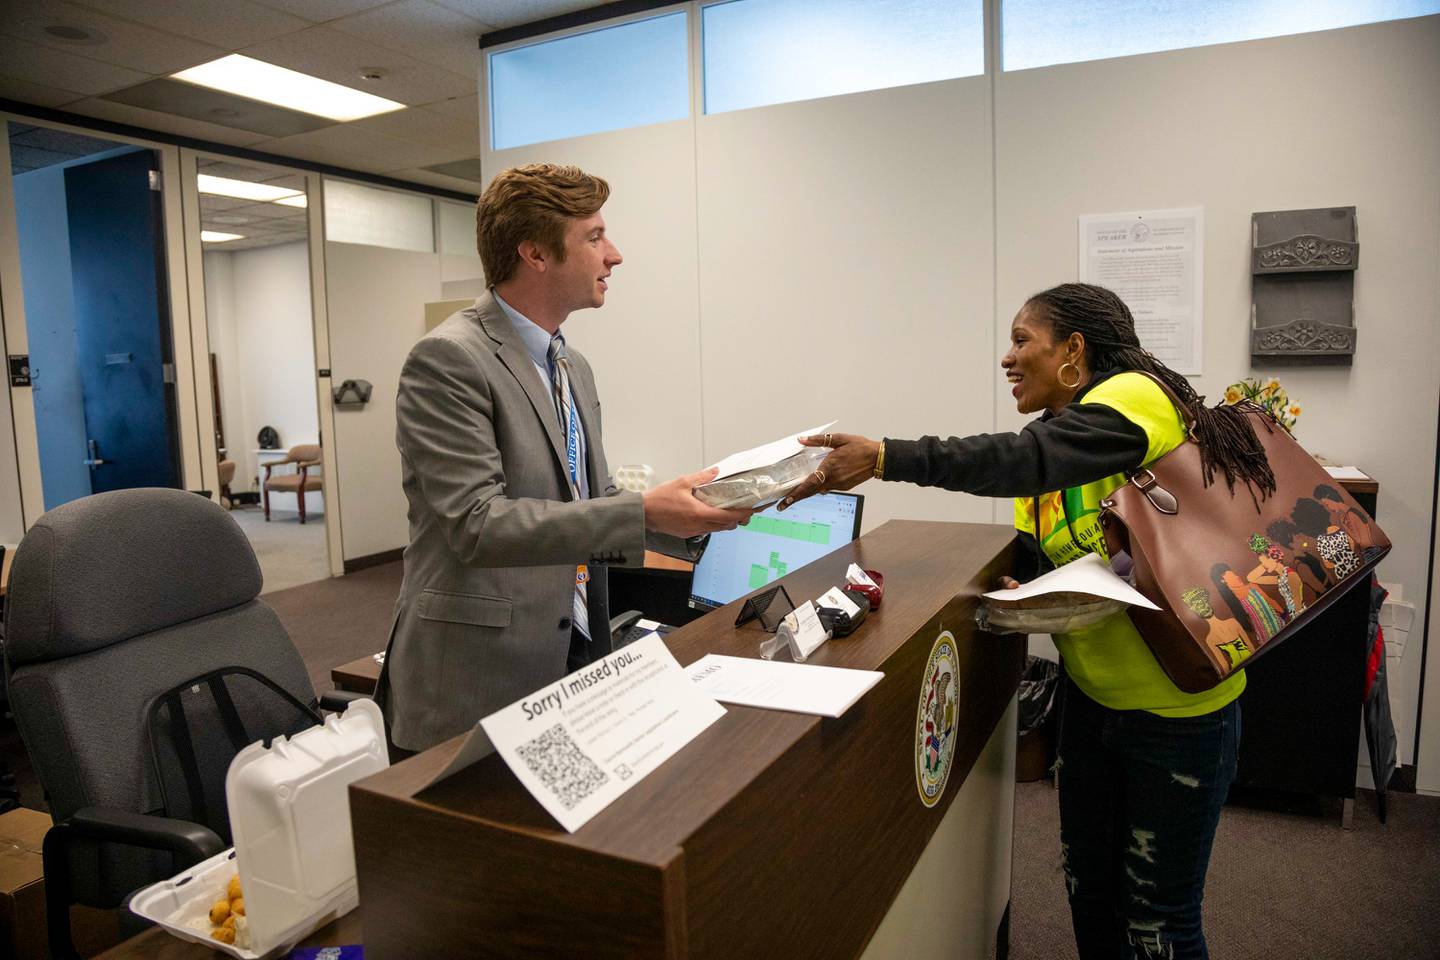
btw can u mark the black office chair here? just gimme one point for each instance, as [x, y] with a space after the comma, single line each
[139, 663]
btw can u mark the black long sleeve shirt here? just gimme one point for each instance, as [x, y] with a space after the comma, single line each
[1082, 443]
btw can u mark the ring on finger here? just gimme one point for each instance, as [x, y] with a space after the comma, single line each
[820, 477]
[828, 440]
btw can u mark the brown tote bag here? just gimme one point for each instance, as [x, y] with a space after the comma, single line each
[1234, 578]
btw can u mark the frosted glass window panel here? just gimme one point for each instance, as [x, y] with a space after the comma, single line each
[1039, 33]
[457, 228]
[355, 213]
[759, 52]
[627, 75]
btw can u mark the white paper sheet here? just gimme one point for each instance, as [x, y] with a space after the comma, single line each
[1089, 575]
[774, 685]
[1155, 261]
[1347, 473]
[767, 453]
[582, 741]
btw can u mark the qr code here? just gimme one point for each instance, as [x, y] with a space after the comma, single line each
[562, 766]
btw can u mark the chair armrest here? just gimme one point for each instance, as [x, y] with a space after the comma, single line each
[192, 842]
[338, 701]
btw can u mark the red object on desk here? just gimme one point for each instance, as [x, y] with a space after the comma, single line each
[874, 594]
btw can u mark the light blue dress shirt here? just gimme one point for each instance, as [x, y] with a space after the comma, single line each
[537, 343]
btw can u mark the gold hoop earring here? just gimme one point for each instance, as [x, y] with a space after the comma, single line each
[1060, 375]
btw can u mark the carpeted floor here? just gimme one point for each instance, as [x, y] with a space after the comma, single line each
[339, 619]
[290, 553]
[1281, 885]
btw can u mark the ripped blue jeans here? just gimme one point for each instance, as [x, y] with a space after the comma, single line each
[1140, 796]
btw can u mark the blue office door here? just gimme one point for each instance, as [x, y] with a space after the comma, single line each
[122, 322]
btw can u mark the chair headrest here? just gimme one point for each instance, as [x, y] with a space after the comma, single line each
[112, 566]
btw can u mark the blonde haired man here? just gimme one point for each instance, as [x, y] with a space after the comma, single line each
[513, 518]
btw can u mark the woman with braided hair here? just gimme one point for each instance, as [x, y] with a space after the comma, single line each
[1143, 767]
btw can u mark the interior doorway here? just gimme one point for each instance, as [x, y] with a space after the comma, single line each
[254, 231]
[96, 293]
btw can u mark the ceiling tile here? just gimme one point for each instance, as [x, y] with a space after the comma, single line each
[191, 100]
[122, 43]
[345, 145]
[339, 58]
[153, 120]
[60, 141]
[239, 170]
[231, 24]
[25, 159]
[318, 11]
[212, 203]
[38, 94]
[512, 13]
[422, 125]
[466, 168]
[53, 68]
[432, 179]
[425, 30]
[273, 214]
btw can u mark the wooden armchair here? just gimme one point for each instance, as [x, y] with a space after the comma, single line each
[227, 477]
[306, 456]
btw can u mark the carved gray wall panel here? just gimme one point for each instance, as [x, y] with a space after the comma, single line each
[1303, 266]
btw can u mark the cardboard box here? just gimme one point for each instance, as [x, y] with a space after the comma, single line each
[22, 895]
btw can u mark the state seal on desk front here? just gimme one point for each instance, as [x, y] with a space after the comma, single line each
[935, 719]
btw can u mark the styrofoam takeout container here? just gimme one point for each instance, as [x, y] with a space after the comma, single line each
[290, 819]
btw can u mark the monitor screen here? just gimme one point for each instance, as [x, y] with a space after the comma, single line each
[740, 561]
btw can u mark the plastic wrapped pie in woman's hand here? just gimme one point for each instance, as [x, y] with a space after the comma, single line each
[1058, 612]
[763, 485]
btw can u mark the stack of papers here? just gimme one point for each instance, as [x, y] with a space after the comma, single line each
[1089, 575]
[796, 687]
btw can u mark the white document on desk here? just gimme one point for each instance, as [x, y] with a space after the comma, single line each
[796, 687]
[767, 453]
[579, 743]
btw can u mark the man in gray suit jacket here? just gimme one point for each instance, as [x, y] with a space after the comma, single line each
[513, 517]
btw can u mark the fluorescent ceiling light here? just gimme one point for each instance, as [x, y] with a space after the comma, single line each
[258, 80]
[243, 189]
[215, 236]
[296, 201]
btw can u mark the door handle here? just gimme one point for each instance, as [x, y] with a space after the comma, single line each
[93, 460]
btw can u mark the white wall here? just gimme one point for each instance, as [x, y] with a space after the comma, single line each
[258, 310]
[219, 273]
[845, 273]
[1225, 128]
[376, 305]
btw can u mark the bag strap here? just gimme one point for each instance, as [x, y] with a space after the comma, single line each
[1186, 417]
[1144, 478]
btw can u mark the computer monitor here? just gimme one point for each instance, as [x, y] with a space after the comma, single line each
[740, 561]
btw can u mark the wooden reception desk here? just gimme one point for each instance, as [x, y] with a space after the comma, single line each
[770, 835]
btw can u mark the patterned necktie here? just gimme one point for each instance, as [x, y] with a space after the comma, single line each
[570, 429]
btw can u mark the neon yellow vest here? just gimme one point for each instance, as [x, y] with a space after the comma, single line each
[1109, 661]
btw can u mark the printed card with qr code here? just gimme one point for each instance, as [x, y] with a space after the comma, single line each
[582, 741]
